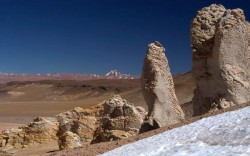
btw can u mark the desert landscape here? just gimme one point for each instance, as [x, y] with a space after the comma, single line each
[204, 111]
[51, 97]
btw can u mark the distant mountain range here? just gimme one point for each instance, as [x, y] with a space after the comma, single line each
[113, 74]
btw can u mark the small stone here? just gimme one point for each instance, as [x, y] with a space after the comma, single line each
[24, 146]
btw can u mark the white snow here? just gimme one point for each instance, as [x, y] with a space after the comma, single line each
[117, 74]
[113, 73]
[226, 134]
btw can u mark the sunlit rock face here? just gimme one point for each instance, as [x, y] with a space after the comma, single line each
[158, 88]
[112, 119]
[121, 119]
[248, 25]
[219, 41]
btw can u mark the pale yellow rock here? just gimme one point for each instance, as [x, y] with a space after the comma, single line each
[69, 140]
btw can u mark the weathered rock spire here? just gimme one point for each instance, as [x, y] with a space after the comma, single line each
[158, 88]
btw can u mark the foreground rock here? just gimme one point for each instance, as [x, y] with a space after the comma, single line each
[111, 120]
[219, 40]
[69, 140]
[121, 119]
[158, 88]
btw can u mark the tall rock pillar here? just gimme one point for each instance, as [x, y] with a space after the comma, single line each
[158, 88]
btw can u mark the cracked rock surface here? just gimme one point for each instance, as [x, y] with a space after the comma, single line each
[220, 47]
[158, 88]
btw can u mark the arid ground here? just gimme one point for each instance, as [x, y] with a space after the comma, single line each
[21, 102]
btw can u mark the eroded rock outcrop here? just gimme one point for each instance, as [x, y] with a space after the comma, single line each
[84, 127]
[158, 88]
[42, 130]
[111, 120]
[248, 24]
[69, 140]
[121, 119]
[219, 43]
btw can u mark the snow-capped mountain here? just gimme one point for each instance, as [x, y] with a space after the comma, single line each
[113, 74]
[117, 74]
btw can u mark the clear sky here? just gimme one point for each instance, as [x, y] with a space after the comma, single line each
[95, 36]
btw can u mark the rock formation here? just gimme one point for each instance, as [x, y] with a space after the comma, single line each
[158, 88]
[40, 131]
[69, 140]
[248, 24]
[219, 43]
[121, 119]
[111, 120]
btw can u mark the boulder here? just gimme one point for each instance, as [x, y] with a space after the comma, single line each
[158, 88]
[114, 106]
[121, 119]
[219, 44]
[69, 140]
[12, 137]
[41, 131]
[78, 122]
[85, 128]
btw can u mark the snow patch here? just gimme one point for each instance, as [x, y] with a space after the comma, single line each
[225, 134]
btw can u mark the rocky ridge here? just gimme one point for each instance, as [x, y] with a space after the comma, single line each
[113, 74]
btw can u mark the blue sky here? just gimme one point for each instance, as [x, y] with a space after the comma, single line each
[95, 36]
